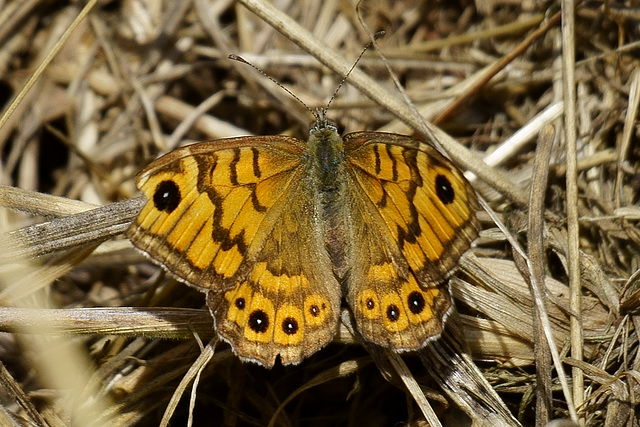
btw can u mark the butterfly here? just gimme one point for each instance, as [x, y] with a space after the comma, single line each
[279, 233]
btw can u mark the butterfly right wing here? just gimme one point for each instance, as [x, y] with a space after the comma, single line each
[415, 213]
[231, 218]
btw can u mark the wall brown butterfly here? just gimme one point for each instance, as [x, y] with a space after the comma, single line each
[278, 232]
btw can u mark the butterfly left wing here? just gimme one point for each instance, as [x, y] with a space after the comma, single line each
[232, 218]
[416, 217]
[288, 305]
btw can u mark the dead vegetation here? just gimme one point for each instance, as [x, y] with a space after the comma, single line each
[135, 79]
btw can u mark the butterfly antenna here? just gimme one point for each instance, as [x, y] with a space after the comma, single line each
[261, 71]
[376, 36]
[320, 114]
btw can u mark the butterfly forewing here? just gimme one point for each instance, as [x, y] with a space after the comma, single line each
[202, 214]
[425, 202]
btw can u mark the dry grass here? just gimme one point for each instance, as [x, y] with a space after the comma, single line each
[138, 78]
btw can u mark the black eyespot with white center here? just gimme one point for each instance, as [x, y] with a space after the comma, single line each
[416, 302]
[444, 189]
[259, 321]
[167, 196]
[240, 303]
[290, 326]
[314, 310]
[393, 312]
[370, 303]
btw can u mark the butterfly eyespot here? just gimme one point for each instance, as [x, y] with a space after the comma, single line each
[444, 189]
[290, 326]
[370, 303]
[259, 321]
[314, 310]
[393, 312]
[416, 302]
[240, 303]
[167, 196]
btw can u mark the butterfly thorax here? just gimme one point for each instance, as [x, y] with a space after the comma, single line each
[327, 159]
[327, 174]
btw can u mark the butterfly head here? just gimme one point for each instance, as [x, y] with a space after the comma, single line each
[322, 123]
[324, 139]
